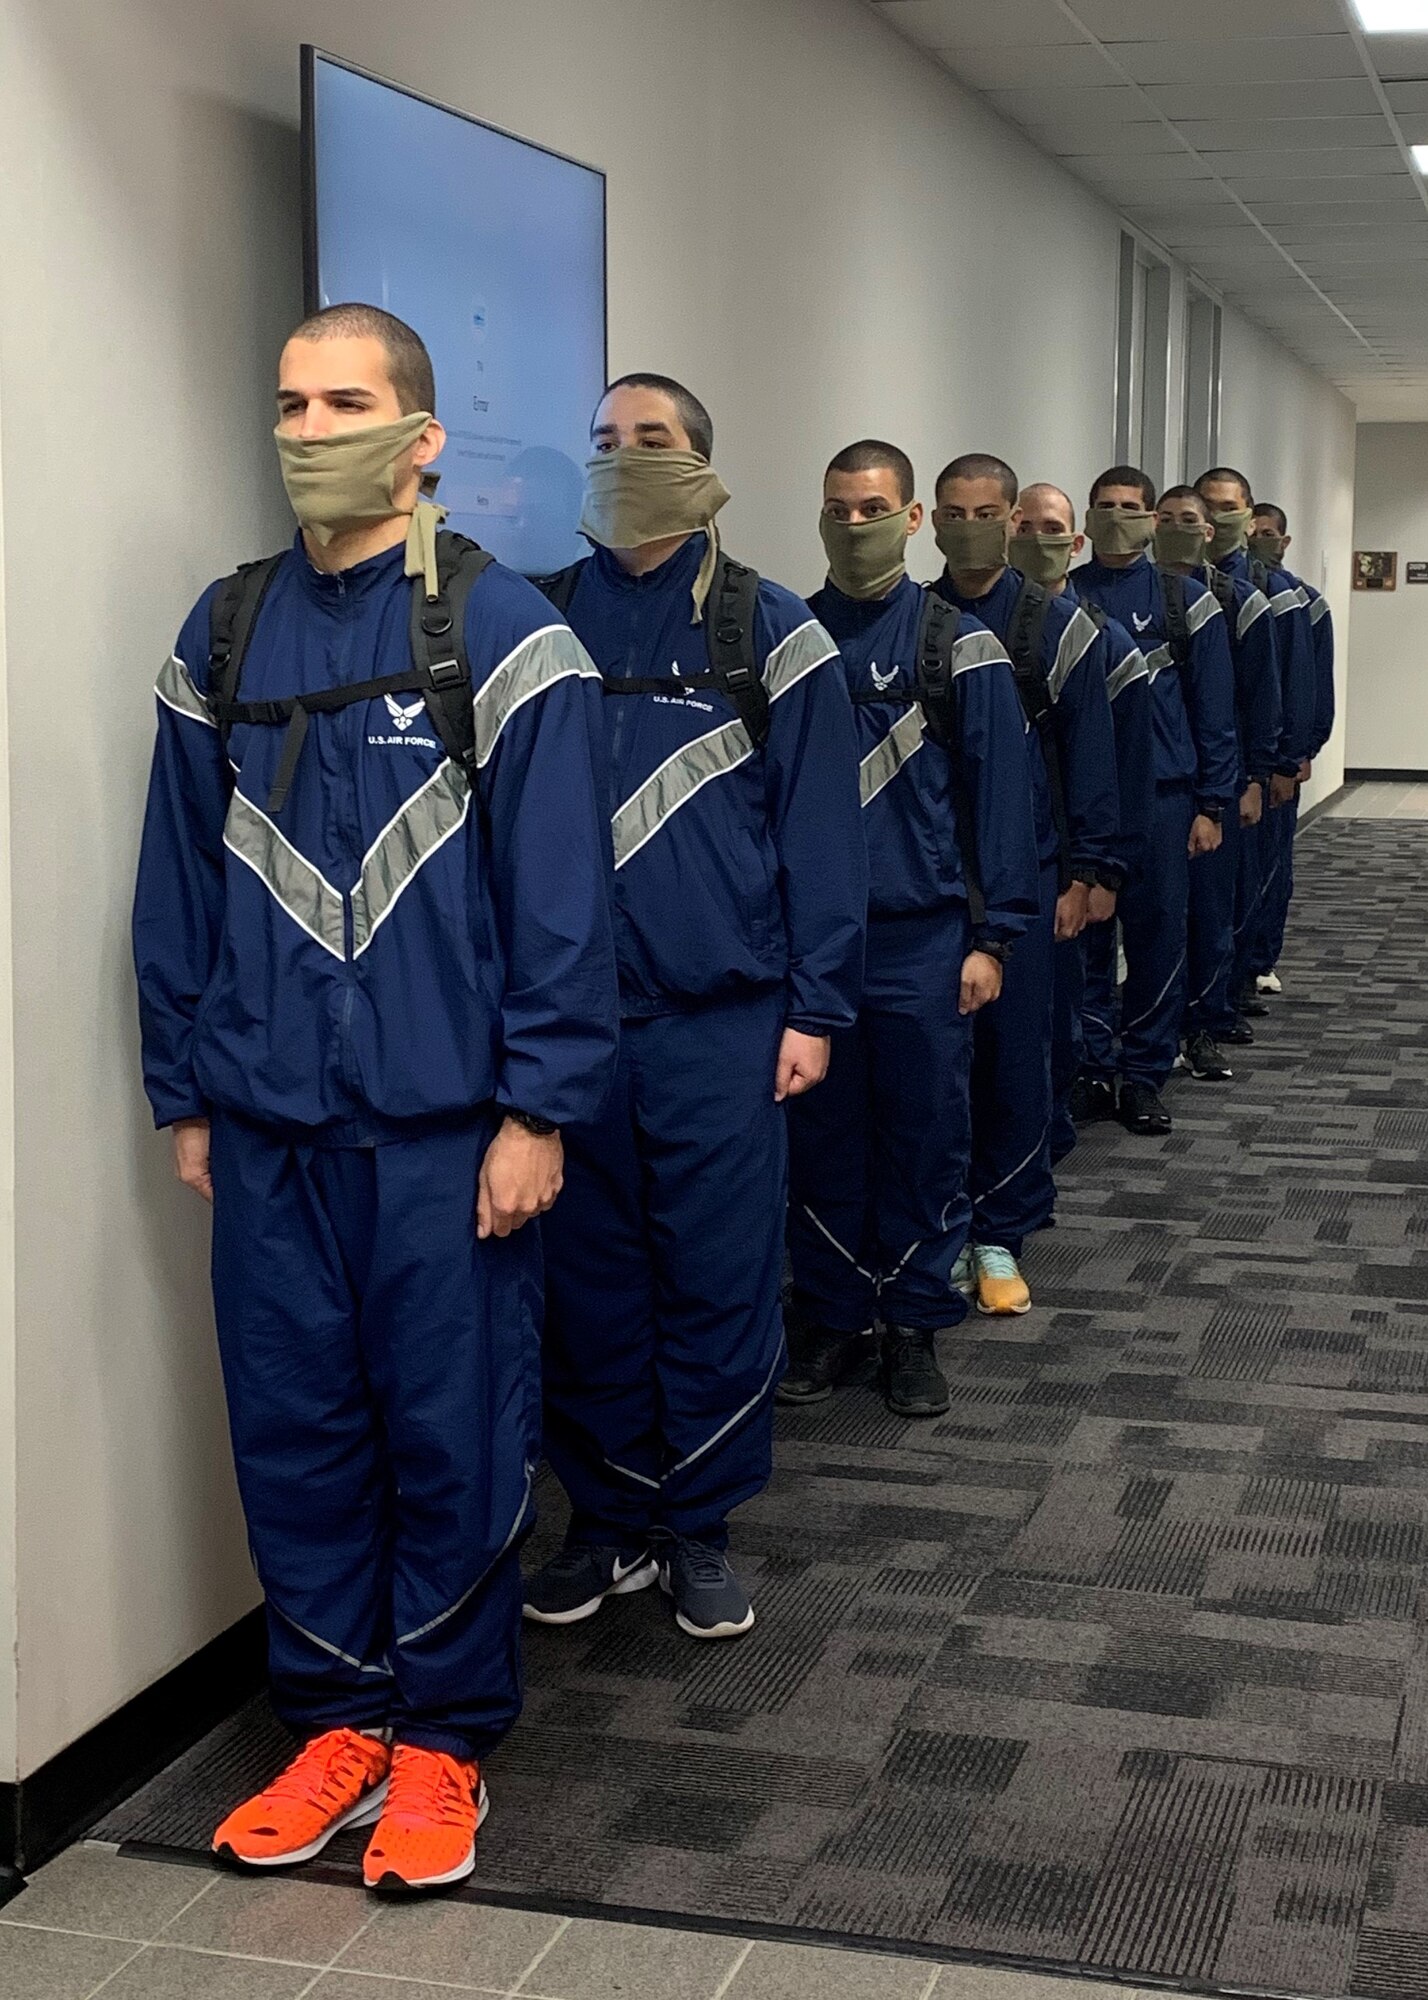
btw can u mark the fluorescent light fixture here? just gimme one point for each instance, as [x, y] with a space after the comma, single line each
[1393, 17]
[1420, 158]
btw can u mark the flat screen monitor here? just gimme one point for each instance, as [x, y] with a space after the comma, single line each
[494, 250]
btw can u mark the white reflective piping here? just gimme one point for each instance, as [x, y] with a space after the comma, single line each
[1158, 661]
[638, 1477]
[1302, 594]
[1145, 1016]
[1076, 641]
[1284, 601]
[980, 649]
[897, 1269]
[1254, 606]
[886, 759]
[1202, 611]
[175, 689]
[1020, 1168]
[542, 658]
[1132, 668]
[326, 1646]
[738, 1416]
[837, 1245]
[410, 1638]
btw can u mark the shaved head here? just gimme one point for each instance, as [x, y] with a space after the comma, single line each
[1043, 498]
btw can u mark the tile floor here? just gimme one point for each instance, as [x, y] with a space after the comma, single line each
[97, 1922]
[1398, 800]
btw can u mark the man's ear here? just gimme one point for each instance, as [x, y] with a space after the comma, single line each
[915, 517]
[1015, 518]
[1078, 542]
[430, 445]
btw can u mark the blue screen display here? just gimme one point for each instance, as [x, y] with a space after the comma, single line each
[495, 252]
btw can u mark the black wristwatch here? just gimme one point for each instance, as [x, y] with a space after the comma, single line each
[1212, 813]
[543, 1128]
[1111, 879]
[997, 948]
[1089, 878]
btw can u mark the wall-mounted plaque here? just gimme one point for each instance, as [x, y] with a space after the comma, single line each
[1375, 569]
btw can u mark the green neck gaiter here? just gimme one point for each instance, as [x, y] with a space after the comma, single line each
[1230, 527]
[1268, 546]
[1116, 532]
[865, 558]
[1176, 543]
[974, 548]
[636, 495]
[1044, 558]
[344, 482]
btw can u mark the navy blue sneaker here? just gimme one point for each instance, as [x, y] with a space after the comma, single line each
[709, 1600]
[574, 1584]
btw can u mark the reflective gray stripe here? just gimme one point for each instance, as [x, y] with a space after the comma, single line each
[410, 1638]
[978, 649]
[289, 877]
[425, 823]
[1302, 594]
[886, 759]
[1284, 600]
[1202, 611]
[1076, 641]
[803, 650]
[753, 1403]
[1158, 661]
[1131, 668]
[1318, 608]
[674, 784]
[1254, 606]
[547, 656]
[176, 690]
[326, 1646]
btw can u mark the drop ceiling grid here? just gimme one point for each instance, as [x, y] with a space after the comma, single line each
[1272, 163]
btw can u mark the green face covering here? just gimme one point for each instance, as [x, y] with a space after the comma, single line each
[1175, 543]
[1268, 546]
[345, 481]
[1044, 558]
[636, 495]
[1116, 532]
[865, 558]
[1230, 527]
[974, 548]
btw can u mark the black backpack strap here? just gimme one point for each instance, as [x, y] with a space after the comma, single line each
[1026, 637]
[438, 637]
[729, 630]
[1177, 621]
[559, 586]
[232, 615]
[1224, 589]
[1259, 574]
[1099, 618]
[936, 652]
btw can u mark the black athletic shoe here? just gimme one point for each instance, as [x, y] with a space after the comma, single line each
[913, 1384]
[1241, 1036]
[1204, 1061]
[1250, 1004]
[709, 1600]
[574, 1584]
[1092, 1099]
[819, 1358]
[1141, 1110]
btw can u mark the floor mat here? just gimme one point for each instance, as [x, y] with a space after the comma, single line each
[1122, 1665]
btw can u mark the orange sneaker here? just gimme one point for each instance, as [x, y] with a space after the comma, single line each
[426, 1837]
[337, 1780]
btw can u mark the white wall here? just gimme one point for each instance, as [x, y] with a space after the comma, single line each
[1388, 702]
[808, 221]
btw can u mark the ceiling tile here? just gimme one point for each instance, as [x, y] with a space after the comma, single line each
[1221, 21]
[1079, 135]
[1407, 96]
[1399, 55]
[1364, 190]
[1246, 135]
[1306, 216]
[1117, 104]
[979, 24]
[1140, 169]
[1341, 98]
[1349, 163]
[1030, 68]
[1276, 59]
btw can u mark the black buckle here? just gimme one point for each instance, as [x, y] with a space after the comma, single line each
[445, 673]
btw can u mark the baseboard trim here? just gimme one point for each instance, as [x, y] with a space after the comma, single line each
[1368, 777]
[1321, 806]
[44, 1812]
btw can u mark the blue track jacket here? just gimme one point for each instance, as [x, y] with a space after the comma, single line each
[737, 871]
[1073, 659]
[383, 954]
[1128, 685]
[1255, 651]
[1321, 633]
[915, 853]
[1195, 739]
[1295, 646]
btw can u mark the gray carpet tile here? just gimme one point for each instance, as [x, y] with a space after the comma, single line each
[1122, 1665]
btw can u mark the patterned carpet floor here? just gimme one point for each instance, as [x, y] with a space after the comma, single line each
[1122, 1666]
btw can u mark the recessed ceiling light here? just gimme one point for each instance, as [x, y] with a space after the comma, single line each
[1420, 158]
[1393, 17]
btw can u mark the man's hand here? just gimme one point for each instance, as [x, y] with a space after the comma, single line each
[1252, 803]
[521, 1175]
[1281, 790]
[981, 981]
[802, 1062]
[1205, 836]
[191, 1155]
[1306, 770]
[1101, 905]
[1071, 911]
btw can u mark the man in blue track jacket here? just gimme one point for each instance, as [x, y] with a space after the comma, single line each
[740, 905]
[1196, 758]
[1059, 657]
[1264, 940]
[1269, 848]
[376, 976]
[1047, 543]
[878, 1202]
[1182, 543]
